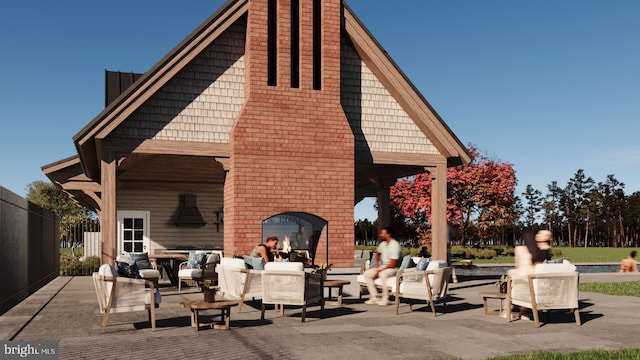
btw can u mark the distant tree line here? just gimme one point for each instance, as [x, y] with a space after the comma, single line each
[483, 208]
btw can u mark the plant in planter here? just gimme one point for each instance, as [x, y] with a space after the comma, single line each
[209, 291]
[502, 284]
[322, 269]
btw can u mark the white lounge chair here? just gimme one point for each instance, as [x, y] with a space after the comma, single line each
[430, 286]
[238, 282]
[120, 294]
[550, 287]
[286, 283]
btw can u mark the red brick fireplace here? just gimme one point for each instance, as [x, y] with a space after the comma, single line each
[292, 149]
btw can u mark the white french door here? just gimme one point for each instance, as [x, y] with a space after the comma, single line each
[133, 231]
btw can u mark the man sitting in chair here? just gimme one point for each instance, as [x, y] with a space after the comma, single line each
[386, 258]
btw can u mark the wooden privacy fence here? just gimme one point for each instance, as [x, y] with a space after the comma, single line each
[29, 248]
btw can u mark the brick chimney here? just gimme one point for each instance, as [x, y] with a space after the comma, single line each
[292, 148]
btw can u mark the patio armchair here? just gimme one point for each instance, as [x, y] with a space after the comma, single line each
[430, 285]
[199, 274]
[238, 282]
[550, 287]
[121, 294]
[286, 283]
[392, 281]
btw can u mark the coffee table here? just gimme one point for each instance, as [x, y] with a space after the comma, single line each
[223, 305]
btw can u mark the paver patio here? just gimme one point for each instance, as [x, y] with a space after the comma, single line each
[66, 310]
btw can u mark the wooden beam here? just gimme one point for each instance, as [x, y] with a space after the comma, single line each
[399, 158]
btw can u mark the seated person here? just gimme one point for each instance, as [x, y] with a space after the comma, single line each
[629, 264]
[266, 250]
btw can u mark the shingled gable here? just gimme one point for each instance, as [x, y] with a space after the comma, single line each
[88, 140]
[404, 92]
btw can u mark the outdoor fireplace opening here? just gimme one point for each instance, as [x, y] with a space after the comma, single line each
[301, 236]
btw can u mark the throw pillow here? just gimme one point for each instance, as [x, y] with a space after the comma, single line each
[141, 259]
[196, 260]
[127, 270]
[405, 262]
[255, 263]
[422, 264]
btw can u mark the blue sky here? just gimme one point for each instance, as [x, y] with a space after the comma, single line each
[549, 86]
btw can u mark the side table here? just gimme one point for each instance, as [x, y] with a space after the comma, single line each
[225, 312]
[493, 295]
[330, 284]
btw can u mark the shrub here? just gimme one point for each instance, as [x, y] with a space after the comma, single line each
[71, 265]
[486, 254]
[457, 251]
[499, 250]
[509, 251]
[90, 265]
[557, 252]
[470, 253]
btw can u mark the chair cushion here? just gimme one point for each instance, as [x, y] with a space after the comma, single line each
[391, 282]
[149, 273]
[436, 264]
[190, 273]
[125, 269]
[232, 263]
[196, 260]
[107, 270]
[141, 259]
[254, 263]
[287, 266]
[554, 268]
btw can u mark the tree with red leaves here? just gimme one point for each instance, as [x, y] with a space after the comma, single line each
[480, 199]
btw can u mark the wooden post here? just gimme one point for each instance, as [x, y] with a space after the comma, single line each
[439, 212]
[108, 220]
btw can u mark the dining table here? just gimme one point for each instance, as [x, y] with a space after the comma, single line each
[170, 262]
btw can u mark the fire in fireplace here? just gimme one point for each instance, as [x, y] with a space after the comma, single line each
[299, 234]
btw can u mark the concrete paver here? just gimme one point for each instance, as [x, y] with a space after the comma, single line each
[66, 310]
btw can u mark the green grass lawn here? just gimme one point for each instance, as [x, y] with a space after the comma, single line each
[67, 251]
[626, 288]
[580, 355]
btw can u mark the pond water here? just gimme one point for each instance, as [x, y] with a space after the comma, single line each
[497, 270]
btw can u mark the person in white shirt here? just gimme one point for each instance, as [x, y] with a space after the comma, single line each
[386, 261]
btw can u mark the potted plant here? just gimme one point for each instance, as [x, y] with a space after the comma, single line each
[502, 284]
[209, 291]
[322, 269]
